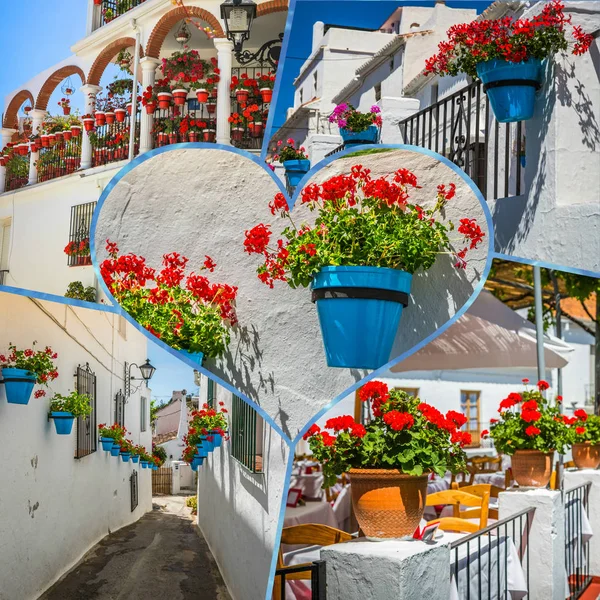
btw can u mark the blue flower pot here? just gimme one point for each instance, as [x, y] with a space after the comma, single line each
[144, 464]
[18, 384]
[217, 439]
[202, 450]
[115, 450]
[154, 467]
[197, 357]
[107, 443]
[207, 444]
[359, 312]
[63, 422]
[511, 87]
[295, 170]
[135, 459]
[194, 466]
[370, 136]
[125, 456]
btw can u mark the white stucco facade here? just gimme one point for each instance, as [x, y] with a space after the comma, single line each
[55, 507]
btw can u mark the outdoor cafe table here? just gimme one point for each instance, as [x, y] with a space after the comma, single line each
[498, 479]
[309, 484]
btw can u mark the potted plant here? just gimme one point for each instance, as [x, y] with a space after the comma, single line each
[584, 435]
[22, 369]
[266, 83]
[124, 59]
[145, 458]
[389, 459]
[65, 409]
[149, 100]
[136, 453]
[202, 91]
[179, 95]
[294, 161]
[88, 122]
[185, 66]
[79, 249]
[508, 56]
[163, 93]
[529, 430]
[65, 104]
[237, 127]
[159, 455]
[366, 237]
[208, 427]
[356, 127]
[209, 133]
[126, 450]
[110, 437]
[190, 314]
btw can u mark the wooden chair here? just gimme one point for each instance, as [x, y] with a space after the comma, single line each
[554, 477]
[311, 534]
[454, 524]
[480, 489]
[478, 508]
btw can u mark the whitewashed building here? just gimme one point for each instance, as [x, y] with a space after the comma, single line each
[60, 494]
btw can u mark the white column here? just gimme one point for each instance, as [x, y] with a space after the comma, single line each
[149, 66]
[37, 118]
[224, 61]
[574, 479]
[5, 137]
[547, 573]
[90, 92]
[360, 570]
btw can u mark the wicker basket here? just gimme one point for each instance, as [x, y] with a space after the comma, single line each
[532, 468]
[586, 456]
[387, 503]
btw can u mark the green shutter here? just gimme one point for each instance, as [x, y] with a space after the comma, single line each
[210, 393]
[243, 434]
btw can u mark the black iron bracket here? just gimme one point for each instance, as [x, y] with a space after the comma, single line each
[269, 53]
[512, 82]
[335, 293]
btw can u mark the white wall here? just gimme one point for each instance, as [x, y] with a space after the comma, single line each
[54, 507]
[40, 220]
[276, 355]
[238, 511]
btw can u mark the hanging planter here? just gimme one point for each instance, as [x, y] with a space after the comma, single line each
[110, 117]
[353, 138]
[144, 464]
[18, 384]
[75, 130]
[359, 304]
[120, 115]
[135, 458]
[217, 440]
[241, 95]
[237, 134]
[125, 456]
[100, 117]
[180, 97]
[388, 491]
[115, 450]
[45, 140]
[63, 422]
[211, 107]
[88, 124]
[197, 357]
[209, 135]
[266, 94]
[65, 409]
[164, 100]
[202, 96]
[67, 135]
[129, 107]
[295, 170]
[150, 108]
[52, 139]
[514, 51]
[107, 443]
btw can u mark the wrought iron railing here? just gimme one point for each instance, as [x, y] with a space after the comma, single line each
[244, 435]
[167, 123]
[86, 426]
[63, 158]
[79, 234]
[318, 579]
[479, 561]
[462, 128]
[134, 489]
[576, 540]
[17, 172]
[110, 142]
[111, 9]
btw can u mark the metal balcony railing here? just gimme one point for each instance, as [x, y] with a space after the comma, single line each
[111, 9]
[577, 555]
[462, 128]
[318, 579]
[111, 141]
[63, 158]
[17, 172]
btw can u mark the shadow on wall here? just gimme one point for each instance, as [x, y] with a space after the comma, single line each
[200, 201]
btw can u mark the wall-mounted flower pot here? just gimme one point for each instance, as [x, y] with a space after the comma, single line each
[256, 129]
[197, 357]
[202, 96]
[18, 384]
[144, 464]
[295, 170]
[211, 107]
[67, 135]
[120, 115]
[266, 94]
[531, 468]
[135, 458]
[209, 135]
[511, 87]
[164, 100]
[115, 450]
[63, 422]
[110, 118]
[179, 97]
[241, 96]
[129, 108]
[88, 124]
[359, 312]
[107, 443]
[100, 118]
[202, 449]
[155, 467]
[125, 456]
[370, 136]
[150, 108]
[75, 130]
[586, 456]
[217, 439]
[237, 134]
[45, 141]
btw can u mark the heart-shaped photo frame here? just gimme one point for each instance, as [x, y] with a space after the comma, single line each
[199, 201]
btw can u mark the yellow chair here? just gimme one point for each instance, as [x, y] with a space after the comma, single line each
[311, 534]
[479, 489]
[478, 507]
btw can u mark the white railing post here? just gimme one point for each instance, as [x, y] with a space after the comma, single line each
[90, 92]
[224, 60]
[149, 66]
[37, 119]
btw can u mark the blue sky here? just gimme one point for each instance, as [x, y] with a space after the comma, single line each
[369, 14]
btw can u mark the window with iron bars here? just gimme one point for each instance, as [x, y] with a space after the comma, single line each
[210, 393]
[85, 382]
[120, 408]
[246, 435]
[79, 233]
[133, 487]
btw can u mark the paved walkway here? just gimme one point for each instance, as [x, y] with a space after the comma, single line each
[161, 557]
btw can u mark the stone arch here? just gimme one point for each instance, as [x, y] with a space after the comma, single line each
[52, 82]
[162, 28]
[266, 8]
[107, 55]
[11, 117]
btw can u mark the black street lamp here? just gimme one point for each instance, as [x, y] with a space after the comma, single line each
[147, 370]
[238, 16]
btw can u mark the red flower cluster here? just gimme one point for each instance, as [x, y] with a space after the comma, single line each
[532, 430]
[398, 420]
[512, 399]
[375, 392]
[580, 414]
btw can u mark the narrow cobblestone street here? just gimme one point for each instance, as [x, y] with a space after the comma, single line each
[162, 556]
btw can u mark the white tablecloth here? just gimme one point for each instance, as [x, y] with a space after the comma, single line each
[498, 479]
[309, 484]
[342, 509]
[311, 512]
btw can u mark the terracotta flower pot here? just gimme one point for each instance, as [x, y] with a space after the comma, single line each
[202, 96]
[45, 141]
[266, 94]
[211, 108]
[120, 115]
[100, 118]
[532, 468]
[237, 134]
[164, 100]
[193, 136]
[110, 118]
[67, 134]
[150, 108]
[172, 138]
[75, 130]
[179, 97]
[387, 503]
[66, 110]
[257, 129]
[241, 96]
[88, 124]
[586, 456]
[208, 135]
